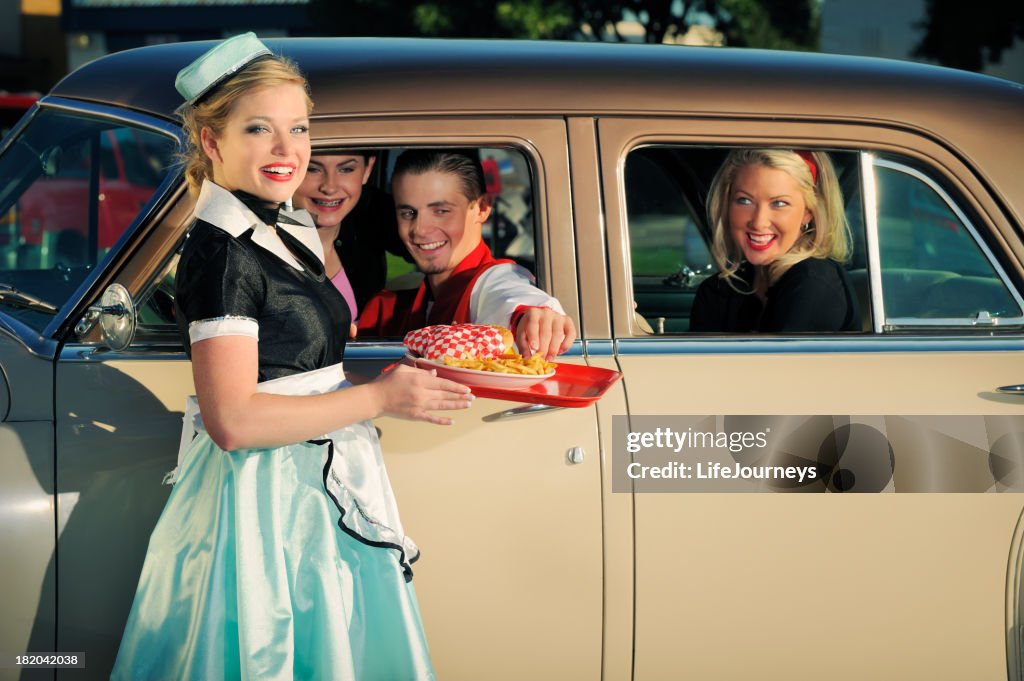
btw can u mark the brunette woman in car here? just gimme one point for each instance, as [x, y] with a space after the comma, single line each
[280, 553]
[356, 222]
[779, 237]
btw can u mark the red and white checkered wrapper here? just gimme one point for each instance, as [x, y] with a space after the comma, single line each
[460, 341]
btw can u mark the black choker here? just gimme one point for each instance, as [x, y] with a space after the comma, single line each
[267, 211]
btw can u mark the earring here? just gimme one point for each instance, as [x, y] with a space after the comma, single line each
[806, 228]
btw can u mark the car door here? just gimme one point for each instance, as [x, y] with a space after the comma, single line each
[505, 504]
[118, 428]
[509, 525]
[87, 427]
[26, 491]
[117, 414]
[897, 585]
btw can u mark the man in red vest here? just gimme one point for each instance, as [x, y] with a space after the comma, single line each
[442, 205]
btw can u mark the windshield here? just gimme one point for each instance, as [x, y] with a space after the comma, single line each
[69, 188]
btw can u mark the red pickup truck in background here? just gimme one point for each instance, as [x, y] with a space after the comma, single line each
[55, 203]
[118, 167]
[12, 107]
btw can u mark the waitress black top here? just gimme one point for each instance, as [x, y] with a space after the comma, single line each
[244, 281]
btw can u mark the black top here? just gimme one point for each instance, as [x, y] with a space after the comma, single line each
[813, 295]
[303, 320]
[366, 233]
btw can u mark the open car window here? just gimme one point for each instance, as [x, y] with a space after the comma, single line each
[70, 186]
[918, 261]
[509, 232]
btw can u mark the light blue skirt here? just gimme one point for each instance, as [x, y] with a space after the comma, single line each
[260, 568]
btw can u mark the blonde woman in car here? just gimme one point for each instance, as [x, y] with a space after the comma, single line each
[355, 221]
[780, 238]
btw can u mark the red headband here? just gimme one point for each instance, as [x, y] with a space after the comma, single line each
[809, 160]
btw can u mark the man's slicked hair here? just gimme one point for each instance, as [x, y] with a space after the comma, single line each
[461, 163]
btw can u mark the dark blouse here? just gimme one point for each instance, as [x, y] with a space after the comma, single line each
[303, 320]
[813, 295]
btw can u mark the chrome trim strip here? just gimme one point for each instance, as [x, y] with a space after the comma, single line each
[376, 350]
[79, 352]
[596, 348]
[959, 321]
[777, 346]
[870, 205]
[393, 350]
[113, 113]
[520, 412]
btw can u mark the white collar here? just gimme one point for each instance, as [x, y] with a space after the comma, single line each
[222, 209]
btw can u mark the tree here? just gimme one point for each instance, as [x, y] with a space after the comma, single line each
[535, 19]
[970, 35]
[771, 24]
[783, 24]
[361, 18]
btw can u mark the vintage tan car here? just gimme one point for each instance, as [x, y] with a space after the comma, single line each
[538, 561]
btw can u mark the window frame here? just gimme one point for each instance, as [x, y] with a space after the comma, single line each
[882, 323]
[62, 325]
[620, 135]
[543, 142]
[535, 139]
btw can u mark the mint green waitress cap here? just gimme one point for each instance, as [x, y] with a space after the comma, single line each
[217, 65]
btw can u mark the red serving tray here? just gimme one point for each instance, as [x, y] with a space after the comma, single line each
[573, 385]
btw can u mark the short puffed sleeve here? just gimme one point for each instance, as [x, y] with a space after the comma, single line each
[219, 287]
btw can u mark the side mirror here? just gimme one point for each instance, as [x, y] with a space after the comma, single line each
[117, 316]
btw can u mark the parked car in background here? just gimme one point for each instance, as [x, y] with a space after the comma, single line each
[533, 565]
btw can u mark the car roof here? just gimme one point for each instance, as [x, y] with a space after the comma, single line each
[973, 115]
[371, 75]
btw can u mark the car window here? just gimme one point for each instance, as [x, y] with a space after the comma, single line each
[509, 232]
[665, 195]
[67, 194]
[156, 304]
[666, 203]
[936, 268]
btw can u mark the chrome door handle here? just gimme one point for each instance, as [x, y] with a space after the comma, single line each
[1011, 389]
[517, 412]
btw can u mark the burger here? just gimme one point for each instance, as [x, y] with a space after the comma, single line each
[460, 341]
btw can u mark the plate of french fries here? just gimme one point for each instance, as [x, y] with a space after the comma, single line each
[511, 371]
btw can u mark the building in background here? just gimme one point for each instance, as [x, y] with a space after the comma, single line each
[890, 28]
[98, 27]
[32, 52]
[41, 40]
